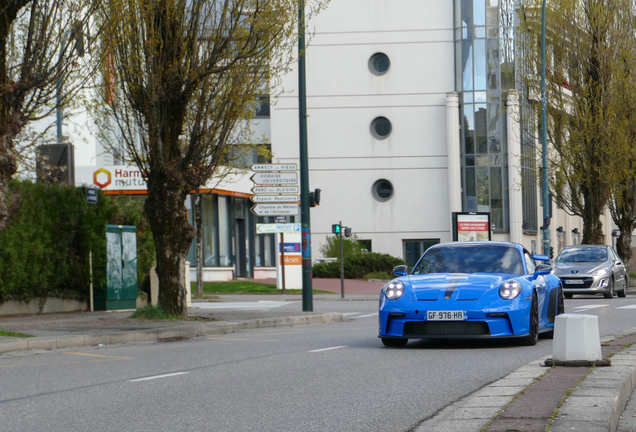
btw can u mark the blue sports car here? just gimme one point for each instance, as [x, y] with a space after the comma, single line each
[471, 290]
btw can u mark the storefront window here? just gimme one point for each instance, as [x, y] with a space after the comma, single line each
[225, 252]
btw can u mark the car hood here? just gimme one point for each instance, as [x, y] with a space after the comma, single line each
[578, 269]
[458, 286]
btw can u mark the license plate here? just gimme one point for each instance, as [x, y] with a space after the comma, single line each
[446, 315]
[575, 282]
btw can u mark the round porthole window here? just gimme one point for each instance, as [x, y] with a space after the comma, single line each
[379, 64]
[382, 190]
[381, 128]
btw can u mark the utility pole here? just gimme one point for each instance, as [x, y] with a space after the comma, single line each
[544, 143]
[305, 222]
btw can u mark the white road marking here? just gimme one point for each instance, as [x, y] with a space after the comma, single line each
[627, 307]
[327, 349]
[263, 304]
[587, 307]
[351, 313]
[159, 376]
[367, 316]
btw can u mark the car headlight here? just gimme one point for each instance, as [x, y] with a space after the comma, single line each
[510, 290]
[600, 272]
[394, 290]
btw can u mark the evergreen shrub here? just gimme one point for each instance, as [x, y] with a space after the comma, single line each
[358, 265]
[44, 251]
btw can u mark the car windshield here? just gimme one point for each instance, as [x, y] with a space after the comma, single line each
[577, 255]
[471, 259]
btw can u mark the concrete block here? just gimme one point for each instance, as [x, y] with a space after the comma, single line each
[17, 344]
[42, 344]
[576, 337]
[70, 341]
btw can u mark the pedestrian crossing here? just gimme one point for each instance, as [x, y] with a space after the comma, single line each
[596, 307]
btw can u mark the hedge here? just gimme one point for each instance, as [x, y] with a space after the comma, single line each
[44, 251]
[358, 265]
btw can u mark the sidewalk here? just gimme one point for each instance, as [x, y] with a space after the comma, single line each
[533, 398]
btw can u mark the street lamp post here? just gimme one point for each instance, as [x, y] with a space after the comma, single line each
[307, 293]
[544, 143]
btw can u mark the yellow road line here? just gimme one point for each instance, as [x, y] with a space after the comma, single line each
[96, 355]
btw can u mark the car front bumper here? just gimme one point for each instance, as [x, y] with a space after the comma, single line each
[590, 285]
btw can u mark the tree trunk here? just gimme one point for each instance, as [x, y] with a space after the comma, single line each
[173, 235]
[198, 217]
[7, 169]
[624, 243]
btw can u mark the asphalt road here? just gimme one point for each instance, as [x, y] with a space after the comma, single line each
[335, 377]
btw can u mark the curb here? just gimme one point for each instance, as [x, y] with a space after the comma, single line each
[597, 403]
[163, 333]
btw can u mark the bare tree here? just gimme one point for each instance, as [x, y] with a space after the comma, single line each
[583, 45]
[41, 42]
[184, 74]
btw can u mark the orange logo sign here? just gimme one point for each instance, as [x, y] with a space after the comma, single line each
[102, 184]
[292, 259]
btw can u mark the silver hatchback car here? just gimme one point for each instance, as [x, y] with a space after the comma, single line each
[591, 269]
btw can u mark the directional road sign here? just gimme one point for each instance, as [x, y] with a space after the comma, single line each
[275, 209]
[277, 228]
[275, 178]
[275, 198]
[274, 167]
[272, 190]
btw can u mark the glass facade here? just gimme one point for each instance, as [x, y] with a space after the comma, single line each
[485, 62]
[229, 239]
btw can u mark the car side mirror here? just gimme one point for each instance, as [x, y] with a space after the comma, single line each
[542, 270]
[401, 270]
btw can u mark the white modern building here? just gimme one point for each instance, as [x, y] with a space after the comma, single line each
[413, 114]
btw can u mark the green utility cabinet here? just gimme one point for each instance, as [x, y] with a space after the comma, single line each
[120, 291]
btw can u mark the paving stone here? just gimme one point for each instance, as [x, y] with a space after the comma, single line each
[475, 413]
[529, 424]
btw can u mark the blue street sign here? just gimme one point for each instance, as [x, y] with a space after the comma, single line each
[91, 195]
[290, 247]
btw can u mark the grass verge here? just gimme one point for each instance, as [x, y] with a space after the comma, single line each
[151, 312]
[246, 287]
[14, 334]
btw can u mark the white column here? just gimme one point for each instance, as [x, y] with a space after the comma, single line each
[515, 201]
[454, 157]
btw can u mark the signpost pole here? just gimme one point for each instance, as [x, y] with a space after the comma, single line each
[341, 263]
[282, 257]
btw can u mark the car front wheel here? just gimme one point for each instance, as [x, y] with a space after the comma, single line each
[610, 292]
[391, 342]
[533, 331]
[623, 293]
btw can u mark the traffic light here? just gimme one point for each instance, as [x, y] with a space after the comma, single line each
[347, 232]
[551, 252]
[314, 198]
[335, 228]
